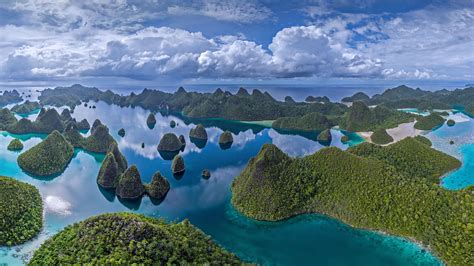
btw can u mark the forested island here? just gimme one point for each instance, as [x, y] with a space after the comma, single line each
[393, 189]
[289, 114]
[21, 212]
[125, 238]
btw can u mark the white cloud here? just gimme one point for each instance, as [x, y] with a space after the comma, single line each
[231, 10]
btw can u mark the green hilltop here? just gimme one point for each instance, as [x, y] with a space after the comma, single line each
[131, 239]
[392, 189]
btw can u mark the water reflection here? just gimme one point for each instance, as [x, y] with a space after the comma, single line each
[74, 195]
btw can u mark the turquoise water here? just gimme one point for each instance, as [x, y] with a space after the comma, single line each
[304, 240]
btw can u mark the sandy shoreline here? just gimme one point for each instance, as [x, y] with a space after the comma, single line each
[397, 133]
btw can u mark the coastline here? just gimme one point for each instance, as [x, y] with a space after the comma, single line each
[398, 133]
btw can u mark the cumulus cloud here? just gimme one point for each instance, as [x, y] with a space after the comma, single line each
[113, 38]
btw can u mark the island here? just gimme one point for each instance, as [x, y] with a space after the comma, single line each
[21, 209]
[50, 157]
[125, 238]
[177, 165]
[9, 97]
[169, 143]
[393, 189]
[129, 185]
[380, 136]
[198, 132]
[15, 145]
[26, 107]
[308, 122]
[325, 137]
[151, 121]
[429, 122]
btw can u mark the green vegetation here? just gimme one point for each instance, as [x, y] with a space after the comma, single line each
[6, 118]
[129, 185]
[9, 97]
[361, 118]
[26, 107]
[226, 137]
[83, 125]
[15, 145]
[49, 157]
[169, 143]
[309, 122]
[424, 140]
[386, 189]
[131, 239]
[99, 141]
[183, 141]
[21, 209]
[46, 122]
[112, 167]
[470, 109]
[177, 165]
[357, 97]
[199, 132]
[429, 122]
[450, 122]
[151, 121]
[172, 124]
[325, 136]
[312, 99]
[121, 132]
[159, 186]
[380, 136]
[344, 139]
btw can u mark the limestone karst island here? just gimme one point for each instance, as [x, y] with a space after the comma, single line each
[247, 132]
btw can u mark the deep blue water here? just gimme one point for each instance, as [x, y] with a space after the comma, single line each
[304, 240]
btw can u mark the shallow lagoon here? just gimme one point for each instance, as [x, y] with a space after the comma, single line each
[304, 240]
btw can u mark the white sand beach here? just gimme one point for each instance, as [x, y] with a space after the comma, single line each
[398, 133]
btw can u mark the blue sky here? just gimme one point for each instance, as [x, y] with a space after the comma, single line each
[231, 41]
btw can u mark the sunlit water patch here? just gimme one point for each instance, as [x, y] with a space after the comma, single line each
[307, 240]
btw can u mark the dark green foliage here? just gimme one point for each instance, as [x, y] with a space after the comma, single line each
[151, 121]
[121, 132]
[21, 212]
[159, 186]
[170, 143]
[429, 122]
[66, 115]
[83, 125]
[130, 184]
[69, 96]
[15, 145]
[412, 157]
[380, 136]
[46, 122]
[424, 140]
[26, 107]
[172, 124]
[361, 118]
[9, 97]
[357, 97]
[73, 136]
[312, 99]
[309, 122]
[99, 141]
[374, 189]
[112, 167]
[182, 140]
[325, 136]
[177, 165]
[6, 118]
[96, 123]
[470, 109]
[288, 99]
[344, 139]
[199, 132]
[108, 173]
[49, 157]
[206, 174]
[131, 239]
[226, 137]
[450, 122]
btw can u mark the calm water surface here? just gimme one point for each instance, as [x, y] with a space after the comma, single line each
[304, 240]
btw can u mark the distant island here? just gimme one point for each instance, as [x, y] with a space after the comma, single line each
[393, 189]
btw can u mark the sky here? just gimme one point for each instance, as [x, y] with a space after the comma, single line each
[243, 41]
